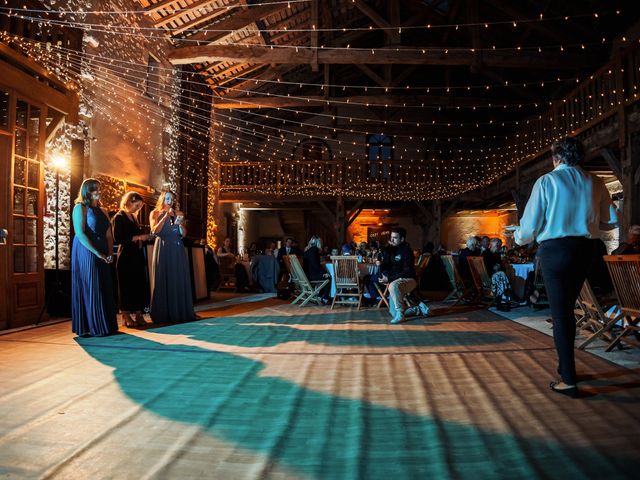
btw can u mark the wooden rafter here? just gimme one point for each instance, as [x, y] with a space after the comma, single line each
[380, 56]
[178, 15]
[365, 100]
[237, 21]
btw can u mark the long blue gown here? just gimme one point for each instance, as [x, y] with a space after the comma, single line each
[171, 298]
[93, 309]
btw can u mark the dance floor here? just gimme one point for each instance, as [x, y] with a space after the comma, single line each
[269, 390]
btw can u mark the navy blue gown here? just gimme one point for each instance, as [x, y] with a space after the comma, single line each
[171, 297]
[93, 309]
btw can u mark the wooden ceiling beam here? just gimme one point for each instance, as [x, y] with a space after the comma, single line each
[363, 100]
[380, 56]
[189, 10]
[236, 22]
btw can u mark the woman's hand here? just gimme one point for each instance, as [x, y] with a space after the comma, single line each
[105, 258]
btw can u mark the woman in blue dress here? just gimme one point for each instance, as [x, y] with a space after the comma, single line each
[93, 310]
[171, 297]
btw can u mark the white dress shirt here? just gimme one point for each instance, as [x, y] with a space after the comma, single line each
[566, 202]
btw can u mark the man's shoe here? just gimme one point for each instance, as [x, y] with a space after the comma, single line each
[424, 309]
[411, 312]
[398, 318]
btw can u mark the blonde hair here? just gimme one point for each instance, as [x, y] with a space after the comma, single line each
[314, 242]
[160, 201]
[129, 197]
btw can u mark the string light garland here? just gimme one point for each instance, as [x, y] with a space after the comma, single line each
[443, 179]
[20, 13]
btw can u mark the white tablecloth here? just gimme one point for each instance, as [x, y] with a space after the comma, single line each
[520, 271]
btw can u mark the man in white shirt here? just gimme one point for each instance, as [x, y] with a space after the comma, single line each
[564, 214]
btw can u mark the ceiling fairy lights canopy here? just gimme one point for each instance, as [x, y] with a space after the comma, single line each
[466, 90]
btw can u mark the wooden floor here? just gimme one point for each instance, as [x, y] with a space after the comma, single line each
[269, 390]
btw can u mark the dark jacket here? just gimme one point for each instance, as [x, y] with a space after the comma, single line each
[312, 266]
[283, 251]
[398, 262]
[491, 260]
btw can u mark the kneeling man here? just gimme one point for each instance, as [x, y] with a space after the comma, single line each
[398, 271]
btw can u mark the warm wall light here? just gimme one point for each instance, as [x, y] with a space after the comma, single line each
[59, 162]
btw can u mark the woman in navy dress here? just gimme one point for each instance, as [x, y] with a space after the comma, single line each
[93, 310]
[133, 287]
[171, 298]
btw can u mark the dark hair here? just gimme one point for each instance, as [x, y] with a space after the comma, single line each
[568, 150]
[400, 231]
[84, 195]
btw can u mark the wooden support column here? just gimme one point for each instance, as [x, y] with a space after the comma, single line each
[76, 165]
[341, 227]
[435, 229]
[631, 184]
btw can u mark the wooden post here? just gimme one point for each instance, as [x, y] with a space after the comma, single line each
[631, 184]
[77, 175]
[340, 223]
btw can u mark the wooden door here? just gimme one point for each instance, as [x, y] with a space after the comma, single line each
[5, 162]
[6, 142]
[21, 158]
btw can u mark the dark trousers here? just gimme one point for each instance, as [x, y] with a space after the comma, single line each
[565, 263]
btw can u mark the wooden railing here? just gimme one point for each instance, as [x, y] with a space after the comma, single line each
[37, 29]
[604, 94]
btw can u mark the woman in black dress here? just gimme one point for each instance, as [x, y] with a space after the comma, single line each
[132, 277]
[313, 267]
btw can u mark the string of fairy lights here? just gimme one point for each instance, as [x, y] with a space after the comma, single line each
[24, 12]
[230, 146]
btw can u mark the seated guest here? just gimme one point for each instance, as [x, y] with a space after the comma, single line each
[347, 249]
[500, 285]
[484, 243]
[471, 250]
[492, 256]
[398, 271]
[312, 265]
[632, 245]
[242, 278]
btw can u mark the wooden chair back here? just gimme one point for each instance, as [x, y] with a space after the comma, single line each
[421, 265]
[625, 275]
[296, 271]
[347, 279]
[481, 278]
[346, 271]
[309, 291]
[227, 268]
[454, 277]
[591, 317]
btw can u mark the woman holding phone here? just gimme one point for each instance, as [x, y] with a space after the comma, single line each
[171, 298]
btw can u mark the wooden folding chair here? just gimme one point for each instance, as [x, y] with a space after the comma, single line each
[347, 278]
[538, 285]
[591, 317]
[309, 290]
[297, 289]
[481, 279]
[625, 274]
[457, 294]
[227, 267]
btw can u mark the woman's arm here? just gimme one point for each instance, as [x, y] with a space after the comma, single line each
[157, 219]
[79, 222]
[182, 223]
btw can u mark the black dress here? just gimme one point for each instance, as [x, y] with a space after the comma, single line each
[133, 286]
[312, 265]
